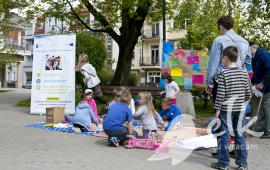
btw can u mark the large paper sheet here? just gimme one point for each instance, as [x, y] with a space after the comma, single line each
[206, 141]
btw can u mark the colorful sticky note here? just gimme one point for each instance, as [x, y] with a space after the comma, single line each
[179, 54]
[249, 68]
[179, 80]
[162, 84]
[173, 63]
[196, 52]
[250, 75]
[165, 70]
[167, 47]
[193, 60]
[188, 83]
[198, 79]
[176, 72]
[165, 56]
[164, 64]
[196, 67]
[204, 53]
[205, 61]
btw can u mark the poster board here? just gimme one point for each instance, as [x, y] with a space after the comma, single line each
[189, 68]
[53, 76]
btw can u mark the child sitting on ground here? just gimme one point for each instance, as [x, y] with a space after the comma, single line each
[149, 117]
[118, 114]
[116, 95]
[132, 103]
[83, 117]
[173, 115]
[88, 98]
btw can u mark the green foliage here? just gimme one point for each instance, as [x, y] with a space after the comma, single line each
[133, 79]
[202, 22]
[105, 76]
[7, 54]
[255, 22]
[95, 49]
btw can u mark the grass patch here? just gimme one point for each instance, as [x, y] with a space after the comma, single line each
[199, 109]
[25, 103]
[201, 112]
[3, 91]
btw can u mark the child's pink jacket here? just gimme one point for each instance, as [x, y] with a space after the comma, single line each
[92, 103]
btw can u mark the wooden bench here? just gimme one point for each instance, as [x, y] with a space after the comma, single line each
[133, 90]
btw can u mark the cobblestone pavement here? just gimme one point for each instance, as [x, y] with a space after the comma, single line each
[23, 148]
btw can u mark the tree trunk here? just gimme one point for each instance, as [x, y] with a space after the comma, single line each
[124, 61]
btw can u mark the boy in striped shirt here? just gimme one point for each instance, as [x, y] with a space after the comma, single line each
[232, 96]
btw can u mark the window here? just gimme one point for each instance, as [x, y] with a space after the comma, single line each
[109, 49]
[8, 76]
[155, 30]
[155, 75]
[108, 39]
[154, 54]
[41, 24]
[28, 76]
[14, 78]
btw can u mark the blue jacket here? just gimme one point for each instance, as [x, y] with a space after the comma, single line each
[215, 65]
[171, 113]
[84, 115]
[261, 67]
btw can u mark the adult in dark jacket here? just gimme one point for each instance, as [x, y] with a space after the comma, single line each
[261, 68]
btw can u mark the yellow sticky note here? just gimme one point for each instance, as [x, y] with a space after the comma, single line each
[204, 53]
[176, 72]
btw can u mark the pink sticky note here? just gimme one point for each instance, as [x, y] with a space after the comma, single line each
[250, 75]
[197, 79]
[179, 54]
[193, 60]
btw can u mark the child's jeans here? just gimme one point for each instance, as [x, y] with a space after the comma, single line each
[174, 101]
[121, 134]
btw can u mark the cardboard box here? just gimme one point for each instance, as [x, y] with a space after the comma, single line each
[55, 114]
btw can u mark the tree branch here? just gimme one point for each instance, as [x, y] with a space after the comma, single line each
[77, 16]
[102, 20]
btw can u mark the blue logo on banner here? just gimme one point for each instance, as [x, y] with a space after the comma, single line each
[38, 81]
[71, 44]
[36, 45]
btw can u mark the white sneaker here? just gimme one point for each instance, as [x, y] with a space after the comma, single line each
[76, 129]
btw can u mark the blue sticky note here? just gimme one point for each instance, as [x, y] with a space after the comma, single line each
[162, 84]
[196, 67]
[249, 68]
[164, 64]
[188, 83]
[167, 47]
[165, 56]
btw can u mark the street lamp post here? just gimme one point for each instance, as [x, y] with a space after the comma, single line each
[164, 19]
[53, 30]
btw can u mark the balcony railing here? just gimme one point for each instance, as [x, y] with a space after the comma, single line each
[14, 21]
[150, 33]
[149, 61]
[15, 46]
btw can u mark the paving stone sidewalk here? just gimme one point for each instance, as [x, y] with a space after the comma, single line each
[23, 148]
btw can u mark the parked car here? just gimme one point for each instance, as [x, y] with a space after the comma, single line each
[11, 83]
[28, 85]
[148, 84]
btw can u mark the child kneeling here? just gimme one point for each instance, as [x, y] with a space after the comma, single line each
[114, 123]
[82, 118]
[172, 113]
